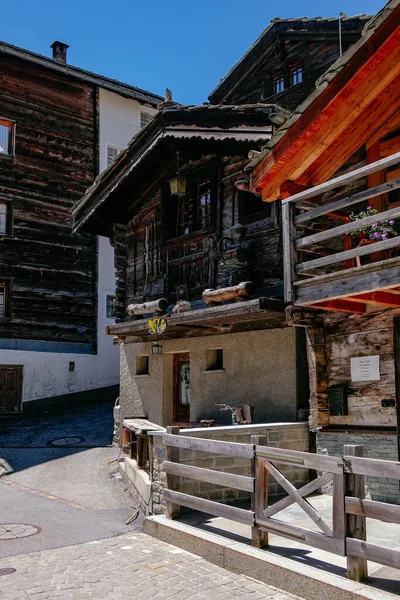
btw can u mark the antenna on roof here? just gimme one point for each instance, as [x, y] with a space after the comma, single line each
[341, 16]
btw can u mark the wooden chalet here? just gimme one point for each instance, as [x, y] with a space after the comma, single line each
[49, 154]
[335, 160]
[170, 249]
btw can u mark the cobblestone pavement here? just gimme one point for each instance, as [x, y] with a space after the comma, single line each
[130, 566]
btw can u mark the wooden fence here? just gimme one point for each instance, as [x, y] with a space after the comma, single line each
[346, 536]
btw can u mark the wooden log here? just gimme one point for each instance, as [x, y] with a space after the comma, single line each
[239, 482]
[208, 506]
[155, 307]
[357, 569]
[207, 445]
[242, 290]
[259, 498]
[172, 510]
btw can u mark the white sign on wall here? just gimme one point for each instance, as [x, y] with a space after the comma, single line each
[365, 368]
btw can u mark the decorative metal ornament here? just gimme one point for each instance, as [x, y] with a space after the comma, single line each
[157, 325]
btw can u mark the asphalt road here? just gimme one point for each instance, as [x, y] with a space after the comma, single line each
[71, 494]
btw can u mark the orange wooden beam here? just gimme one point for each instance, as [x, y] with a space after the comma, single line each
[342, 306]
[380, 298]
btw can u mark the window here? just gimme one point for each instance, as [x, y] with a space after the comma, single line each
[279, 84]
[194, 209]
[142, 365]
[4, 299]
[145, 119]
[214, 359]
[110, 306]
[112, 152]
[296, 75]
[3, 218]
[6, 137]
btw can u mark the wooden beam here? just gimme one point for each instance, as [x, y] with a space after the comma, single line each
[342, 306]
[390, 147]
[389, 513]
[391, 124]
[380, 298]
[348, 201]
[208, 506]
[239, 482]
[289, 188]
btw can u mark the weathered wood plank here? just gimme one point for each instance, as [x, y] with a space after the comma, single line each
[239, 482]
[208, 506]
[309, 488]
[367, 551]
[331, 184]
[357, 568]
[302, 502]
[372, 467]
[348, 201]
[333, 232]
[338, 512]
[289, 251]
[259, 498]
[305, 536]
[324, 261]
[210, 446]
[318, 462]
[172, 509]
[390, 513]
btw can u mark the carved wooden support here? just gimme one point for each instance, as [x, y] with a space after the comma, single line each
[313, 321]
[155, 307]
[242, 290]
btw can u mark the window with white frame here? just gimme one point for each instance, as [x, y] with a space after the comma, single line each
[6, 137]
[145, 119]
[279, 84]
[3, 218]
[296, 75]
[2, 299]
[112, 152]
[110, 306]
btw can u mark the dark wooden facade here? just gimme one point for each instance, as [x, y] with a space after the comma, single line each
[286, 46]
[51, 274]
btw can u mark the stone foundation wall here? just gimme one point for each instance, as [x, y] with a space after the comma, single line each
[381, 446]
[292, 436]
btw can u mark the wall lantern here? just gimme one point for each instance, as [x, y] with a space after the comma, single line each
[156, 348]
[234, 242]
[238, 232]
[177, 185]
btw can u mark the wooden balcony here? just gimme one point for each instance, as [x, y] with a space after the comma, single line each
[322, 269]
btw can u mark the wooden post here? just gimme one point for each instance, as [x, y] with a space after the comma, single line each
[355, 524]
[289, 251]
[172, 510]
[259, 498]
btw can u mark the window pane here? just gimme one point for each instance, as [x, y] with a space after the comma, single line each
[3, 219]
[110, 307]
[145, 119]
[297, 75]
[204, 205]
[2, 301]
[279, 84]
[5, 132]
[112, 152]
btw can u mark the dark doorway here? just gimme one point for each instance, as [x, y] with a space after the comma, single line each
[181, 412]
[10, 388]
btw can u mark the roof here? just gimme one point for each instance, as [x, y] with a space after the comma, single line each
[307, 112]
[112, 85]
[289, 27]
[245, 123]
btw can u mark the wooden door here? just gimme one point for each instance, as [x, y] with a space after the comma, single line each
[181, 413]
[10, 388]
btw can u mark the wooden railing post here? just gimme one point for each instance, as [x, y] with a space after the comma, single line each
[259, 498]
[172, 510]
[357, 569]
[289, 250]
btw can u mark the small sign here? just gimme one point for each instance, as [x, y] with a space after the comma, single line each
[157, 325]
[365, 368]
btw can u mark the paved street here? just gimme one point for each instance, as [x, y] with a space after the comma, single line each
[63, 513]
[132, 566]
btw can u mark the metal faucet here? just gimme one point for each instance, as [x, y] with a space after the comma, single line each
[225, 407]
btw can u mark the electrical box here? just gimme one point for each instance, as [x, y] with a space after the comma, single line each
[337, 398]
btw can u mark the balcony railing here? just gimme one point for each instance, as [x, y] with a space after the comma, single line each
[320, 263]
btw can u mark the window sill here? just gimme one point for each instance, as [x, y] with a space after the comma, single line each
[214, 371]
[142, 375]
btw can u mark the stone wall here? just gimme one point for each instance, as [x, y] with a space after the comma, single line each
[292, 436]
[380, 445]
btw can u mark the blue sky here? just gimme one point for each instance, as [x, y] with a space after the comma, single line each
[186, 45]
